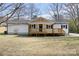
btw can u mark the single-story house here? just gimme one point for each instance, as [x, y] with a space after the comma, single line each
[37, 26]
[44, 26]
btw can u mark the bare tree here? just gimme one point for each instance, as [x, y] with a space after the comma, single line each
[20, 12]
[55, 10]
[29, 10]
[32, 10]
[17, 10]
[72, 10]
[11, 10]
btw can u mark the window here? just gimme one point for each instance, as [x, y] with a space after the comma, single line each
[49, 26]
[64, 26]
[33, 26]
[40, 27]
[52, 26]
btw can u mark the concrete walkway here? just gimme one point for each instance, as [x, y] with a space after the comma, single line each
[74, 34]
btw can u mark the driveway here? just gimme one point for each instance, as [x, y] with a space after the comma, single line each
[73, 34]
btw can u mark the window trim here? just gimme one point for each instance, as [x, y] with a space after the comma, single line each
[64, 26]
[49, 26]
[33, 26]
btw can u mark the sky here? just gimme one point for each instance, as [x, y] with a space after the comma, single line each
[43, 9]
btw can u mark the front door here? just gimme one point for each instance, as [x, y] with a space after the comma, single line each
[40, 27]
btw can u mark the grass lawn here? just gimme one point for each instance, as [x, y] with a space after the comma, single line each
[45, 46]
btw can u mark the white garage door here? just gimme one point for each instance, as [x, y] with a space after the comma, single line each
[23, 29]
[18, 29]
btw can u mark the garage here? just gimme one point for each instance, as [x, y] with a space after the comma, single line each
[17, 27]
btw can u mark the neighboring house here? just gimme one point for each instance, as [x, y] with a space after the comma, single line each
[17, 26]
[37, 26]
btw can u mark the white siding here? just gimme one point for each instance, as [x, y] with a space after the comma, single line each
[18, 29]
[59, 26]
[66, 30]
